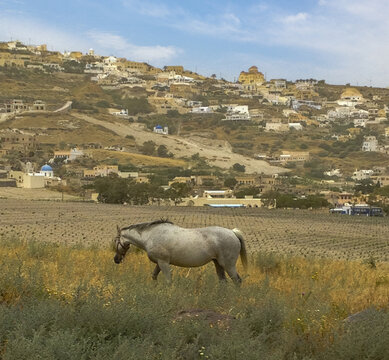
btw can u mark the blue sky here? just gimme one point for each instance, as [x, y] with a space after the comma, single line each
[341, 41]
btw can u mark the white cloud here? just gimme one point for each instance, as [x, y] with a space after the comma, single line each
[111, 42]
[33, 31]
[224, 26]
[148, 8]
[292, 19]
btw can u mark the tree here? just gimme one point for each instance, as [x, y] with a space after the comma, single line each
[162, 151]
[178, 191]
[365, 186]
[112, 189]
[148, 147]
[250, 191]
[230, 182]
[239, 167]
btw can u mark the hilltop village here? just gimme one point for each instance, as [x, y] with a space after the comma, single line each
[93, 125]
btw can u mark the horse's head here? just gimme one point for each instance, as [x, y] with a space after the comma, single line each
[119, 247]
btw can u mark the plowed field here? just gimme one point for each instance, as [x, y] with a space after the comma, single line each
[292, 232]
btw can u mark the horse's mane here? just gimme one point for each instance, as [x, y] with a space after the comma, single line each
[147, 225]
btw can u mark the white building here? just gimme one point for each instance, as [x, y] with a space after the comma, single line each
[359, 175]
[201, 110]
[122, 112]
[350, 97]
[305, 84]
[237, 117]
[241, 109]
[360, 122]
[161, 130]
[47, 171]
[295, 126]
[66, 156]
[370, 144]
[333, 172]
[110, 60]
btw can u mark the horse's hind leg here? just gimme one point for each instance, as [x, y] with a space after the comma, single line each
[219, 271]
[234, 275]
[165, 268]
[156, 272]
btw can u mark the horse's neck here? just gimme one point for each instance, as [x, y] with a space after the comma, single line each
[134, 238]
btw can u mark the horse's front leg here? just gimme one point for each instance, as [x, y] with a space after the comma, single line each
[156, 272]
[165, 268]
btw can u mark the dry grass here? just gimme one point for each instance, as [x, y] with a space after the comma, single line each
[136, 159]
[21, 194]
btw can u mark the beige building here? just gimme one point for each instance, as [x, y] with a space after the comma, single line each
[8, 59]
[383, 180]
[12, 140]
[33, 181]
[350, 97]
[293, 156]
[252, 79]
[221, 198]
[103, 170]
[38, 105]
[134, 66]
[277, 127]
[15, 105]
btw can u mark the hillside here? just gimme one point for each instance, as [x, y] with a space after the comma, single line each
[334, 143]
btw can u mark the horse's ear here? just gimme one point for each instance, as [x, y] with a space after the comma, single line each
[118, 228]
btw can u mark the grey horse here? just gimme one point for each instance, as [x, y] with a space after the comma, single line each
[168, 244]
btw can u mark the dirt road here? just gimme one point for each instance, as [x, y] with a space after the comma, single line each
[220, 155]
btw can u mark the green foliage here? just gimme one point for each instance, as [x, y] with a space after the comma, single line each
[162, 151]
[315, 168]
[239, 167]
[249, 191]
[230, 182]
[115, 190]
[72, 66]
[365, 186]
[293, 201]
[79, 105]
[103, 104]
[148, 147]
[383, 191]
[178, 191]
[135, 106]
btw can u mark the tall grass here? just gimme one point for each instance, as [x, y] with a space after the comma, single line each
[61, 302]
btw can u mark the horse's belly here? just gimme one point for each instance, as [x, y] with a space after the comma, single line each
[191, 259]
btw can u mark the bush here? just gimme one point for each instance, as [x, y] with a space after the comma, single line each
[239, 167]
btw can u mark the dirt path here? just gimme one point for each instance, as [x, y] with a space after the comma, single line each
[220, 155]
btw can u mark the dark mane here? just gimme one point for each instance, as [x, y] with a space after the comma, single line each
[147, 225]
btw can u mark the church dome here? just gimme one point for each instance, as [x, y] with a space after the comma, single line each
[253, 69]
[46, 168]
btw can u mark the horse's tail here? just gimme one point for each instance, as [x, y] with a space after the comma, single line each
[243, 252]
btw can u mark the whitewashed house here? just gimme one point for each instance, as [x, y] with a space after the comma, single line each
[370, 143]
[161, 130]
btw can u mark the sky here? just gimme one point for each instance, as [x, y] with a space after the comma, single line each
[340, 41]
